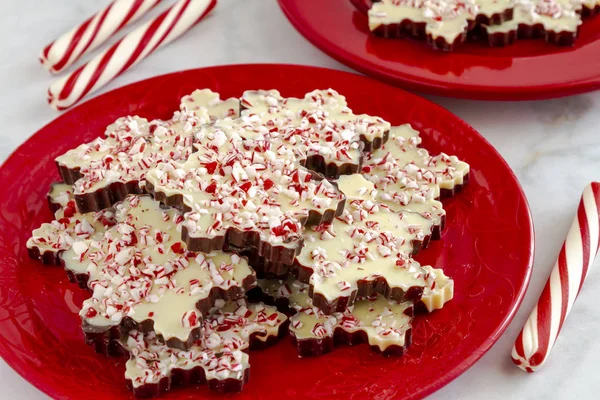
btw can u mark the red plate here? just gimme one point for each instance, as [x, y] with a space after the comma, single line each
[516, 72]
[487, 248]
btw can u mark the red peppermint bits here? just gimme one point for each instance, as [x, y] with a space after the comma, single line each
[190, 319]
[268, 184]
[177, 248]
[211, 167]
[212, 188]
[91, 313]
[246, 186]
[319, 330]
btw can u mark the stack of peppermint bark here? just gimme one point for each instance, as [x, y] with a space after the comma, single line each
[238, 220]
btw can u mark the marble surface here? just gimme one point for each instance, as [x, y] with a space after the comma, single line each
[553, 147]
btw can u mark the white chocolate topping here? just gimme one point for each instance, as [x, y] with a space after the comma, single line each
[132, 145]
[385, 322]
[60, 194]
[69, 226]
[127, 156]
[368, 241]
[553, 15]
[141, 270]
[220, 350]
[591, 4]
[206, 99]
[355, 186]
[448, 19]
[439, 291]
[243, 184]
[406, 174]
[320, 124]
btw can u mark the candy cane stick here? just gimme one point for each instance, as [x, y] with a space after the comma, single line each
[71, 46]
[532, 347]
[127, 52]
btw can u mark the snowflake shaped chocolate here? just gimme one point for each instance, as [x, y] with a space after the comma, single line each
[217, 358]
[202, 100]
[324, 134]
[407, 177]
[242, 194]
[141, 275]
[383, 323]
[366, 250]
[556, 20]
[386, 325]
[105, 170]
[69, 226]
[444, 23]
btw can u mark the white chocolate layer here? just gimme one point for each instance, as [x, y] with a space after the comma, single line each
[243, 184]
[553, 15]
[132, 145]
[355, 186]
[439, 291]
[406, 175]
[320, 124]
[220, 350]
[368, 241]
[69, 226]
[140, 269]
[206, 99]
[385, 322]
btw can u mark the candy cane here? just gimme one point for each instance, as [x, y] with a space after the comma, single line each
[71, 46]
[127, 52]
[532, 347]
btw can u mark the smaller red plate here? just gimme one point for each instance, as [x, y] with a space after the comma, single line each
[526, 70]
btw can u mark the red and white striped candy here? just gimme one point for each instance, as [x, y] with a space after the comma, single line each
[532, 347]
[82, 39]
[127, 52]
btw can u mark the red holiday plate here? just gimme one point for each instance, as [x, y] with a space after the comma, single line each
[526, 70]
[487, 248]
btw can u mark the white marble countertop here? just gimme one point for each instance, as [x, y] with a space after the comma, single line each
[553, 147]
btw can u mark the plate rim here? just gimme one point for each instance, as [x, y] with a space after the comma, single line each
[467, 363]
[436, 87]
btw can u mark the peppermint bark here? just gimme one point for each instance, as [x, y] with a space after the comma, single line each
[249, 194]
[324, 134]
[142, 277]
[218, 358]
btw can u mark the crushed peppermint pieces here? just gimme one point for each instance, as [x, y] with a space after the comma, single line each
[139, 264]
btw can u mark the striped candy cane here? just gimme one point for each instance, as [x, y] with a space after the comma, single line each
[127, 52]
[71, 46]
[533, 345]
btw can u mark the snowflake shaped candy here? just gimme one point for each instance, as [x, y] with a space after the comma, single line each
[558, 21]
[366, 250]
[142, 277]
[109, 168]
[444, 23]
[241, 194]
[384, 324]
[323, 132]
[202, 100]
[217, 358]
[407, 176]
[69, 226]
